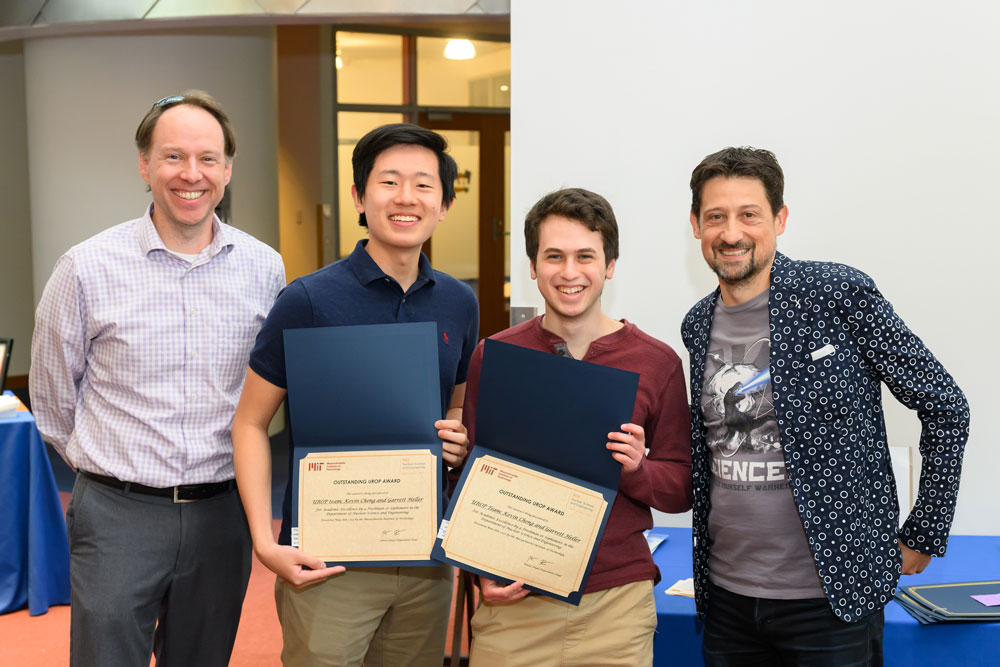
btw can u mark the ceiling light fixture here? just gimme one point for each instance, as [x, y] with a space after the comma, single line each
[459, 49]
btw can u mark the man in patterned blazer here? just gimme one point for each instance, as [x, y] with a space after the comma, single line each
[797, 545]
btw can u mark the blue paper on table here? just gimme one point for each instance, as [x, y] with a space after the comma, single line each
[553, 414]
[358, 388]
[653, 540]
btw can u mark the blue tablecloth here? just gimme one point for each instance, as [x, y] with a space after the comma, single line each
[907, 643]
[34, 553]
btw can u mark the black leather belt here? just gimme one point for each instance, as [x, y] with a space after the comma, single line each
[185, 493]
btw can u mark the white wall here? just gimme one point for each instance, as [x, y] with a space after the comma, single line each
[883, 115]
[85, 97]
[17, 305]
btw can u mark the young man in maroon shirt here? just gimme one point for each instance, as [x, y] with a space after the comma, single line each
[571, 237]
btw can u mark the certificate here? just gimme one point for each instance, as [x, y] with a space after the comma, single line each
[367, 472]
[520, 523]
[375, 505]
[539, 483]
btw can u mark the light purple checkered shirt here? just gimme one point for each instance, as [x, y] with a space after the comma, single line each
[138, 356]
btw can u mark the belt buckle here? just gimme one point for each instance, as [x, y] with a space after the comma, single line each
[182, 500]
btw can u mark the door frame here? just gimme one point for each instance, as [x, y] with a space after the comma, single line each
[494, 314]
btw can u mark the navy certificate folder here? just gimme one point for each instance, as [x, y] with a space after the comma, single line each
[552, 414]
[938, 603]
[361, 388]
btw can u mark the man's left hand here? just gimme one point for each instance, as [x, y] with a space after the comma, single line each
[455, 441]
[628, 446]
[914, 562]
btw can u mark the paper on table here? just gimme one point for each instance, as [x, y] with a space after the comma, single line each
[8, 406]
[988, 600]
[682, 587]
[653, 541]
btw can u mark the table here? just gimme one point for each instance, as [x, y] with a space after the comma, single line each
[34, 552]
[970, 558]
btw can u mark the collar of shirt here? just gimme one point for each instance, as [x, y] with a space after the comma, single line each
[367, 271]
[149, 238]
[556, 343]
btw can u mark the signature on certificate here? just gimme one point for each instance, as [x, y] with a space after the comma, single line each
[537, 562]
[393, 532]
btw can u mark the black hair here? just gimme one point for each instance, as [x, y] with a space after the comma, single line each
[742, 162]
[387, 136]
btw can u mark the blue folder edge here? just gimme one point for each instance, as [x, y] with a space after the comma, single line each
[301, 452]
[609, 495]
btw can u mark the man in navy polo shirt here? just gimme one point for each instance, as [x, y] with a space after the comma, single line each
[403, 186]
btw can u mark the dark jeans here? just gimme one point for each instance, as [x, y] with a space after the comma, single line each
[746, 631]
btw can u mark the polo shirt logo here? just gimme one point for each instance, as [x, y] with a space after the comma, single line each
[445, 337]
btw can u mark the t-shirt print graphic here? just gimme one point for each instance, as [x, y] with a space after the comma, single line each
[738, 406]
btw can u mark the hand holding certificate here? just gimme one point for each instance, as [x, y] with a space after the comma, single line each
[367, 473]
[537, 489]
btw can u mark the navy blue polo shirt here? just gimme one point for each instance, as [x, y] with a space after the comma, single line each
[356, 291]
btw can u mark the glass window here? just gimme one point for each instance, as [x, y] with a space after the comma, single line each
[482, 80]
[369, 68]
[455, 244]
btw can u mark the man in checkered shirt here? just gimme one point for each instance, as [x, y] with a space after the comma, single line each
[140, 349]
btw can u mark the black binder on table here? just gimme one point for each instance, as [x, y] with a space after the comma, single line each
[938, 603]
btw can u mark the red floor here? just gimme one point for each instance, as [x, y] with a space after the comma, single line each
[43, 640]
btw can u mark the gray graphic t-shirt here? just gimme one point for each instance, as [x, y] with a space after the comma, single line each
[759, 547]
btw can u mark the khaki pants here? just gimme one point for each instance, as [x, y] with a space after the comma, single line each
[610, 627]
[381, 616]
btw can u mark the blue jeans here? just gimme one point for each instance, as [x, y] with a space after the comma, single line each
[746, 631]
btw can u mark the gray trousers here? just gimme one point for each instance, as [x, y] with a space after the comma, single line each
[150, 576]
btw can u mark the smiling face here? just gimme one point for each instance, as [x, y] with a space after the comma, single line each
[570, 269]
[738, 234]
[402, 200]
[187, 172]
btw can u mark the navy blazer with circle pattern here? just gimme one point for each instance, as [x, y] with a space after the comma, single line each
[829, 409]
